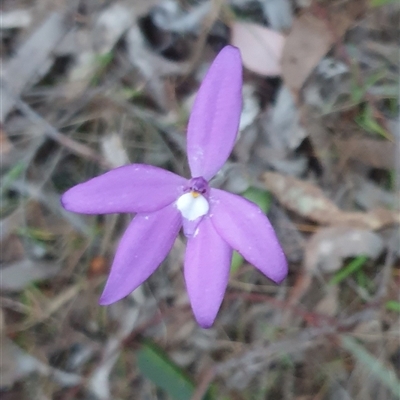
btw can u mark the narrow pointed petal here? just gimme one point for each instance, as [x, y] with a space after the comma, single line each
[207, 263]
[246, 228]
[136, 188]
[143, 247]
[214, 120]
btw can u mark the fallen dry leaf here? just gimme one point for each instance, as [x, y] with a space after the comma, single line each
[27, 64]
[11, 249]
[261, 47]
[284, 127]
[369, 195]
[308, 41]
[18, 275]
[8, 365]
[279, 13]
[15, 19]
[311, 38]
[302, 197]
[329, 305]
[325, 252]
[373, 152]
[327, 248]
[113, 150]
[290, 237]
[153, 67]
[96, 43]
[251, 107]
[310, 202]
[127, 317]
[16, 364]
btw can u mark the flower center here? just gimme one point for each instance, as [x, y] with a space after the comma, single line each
[193, 204]
[198, 185]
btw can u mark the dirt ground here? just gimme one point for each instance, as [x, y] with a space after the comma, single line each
[89, 85]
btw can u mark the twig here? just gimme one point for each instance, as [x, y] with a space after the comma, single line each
[261, 353]
[54, 134]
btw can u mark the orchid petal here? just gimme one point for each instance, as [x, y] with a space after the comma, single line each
[133, 188]
[207, 263]
[246, 228]
[214, 120]
[189, 227]
[141, 250]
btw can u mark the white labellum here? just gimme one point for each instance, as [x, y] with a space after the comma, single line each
[192, 205]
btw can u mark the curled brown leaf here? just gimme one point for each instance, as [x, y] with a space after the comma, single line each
[309, 201]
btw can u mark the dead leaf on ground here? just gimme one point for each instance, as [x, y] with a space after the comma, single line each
[311, 38]
[284, 129]
[369, 195]
[94, 44]
[373, 152]
[27, 64]
[327, 248]
[16, 364]
[279, 13]
[302, 197]
[261, 47]
[8, 365]
[329, 305]
[308, 41]
[113, 150]
[309, 201]
[128, 317]
[10, 223]
[11, 249]
[15, 19]
[281, 133]
[175, 17]
[153, 68]
[251, 107]
[325, 252]
[289, 236]
[320, 139]
[18, 275]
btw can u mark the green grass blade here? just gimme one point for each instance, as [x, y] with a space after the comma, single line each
[261, 197]
[12, 175]
[349, 269]
[393, 305]
[155, 365]
[379, 3]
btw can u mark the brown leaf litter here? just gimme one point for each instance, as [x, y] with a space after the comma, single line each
[309, 201]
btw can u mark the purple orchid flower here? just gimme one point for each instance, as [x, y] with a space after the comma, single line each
[214, 221]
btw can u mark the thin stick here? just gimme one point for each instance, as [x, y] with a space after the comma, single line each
[54, 134]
